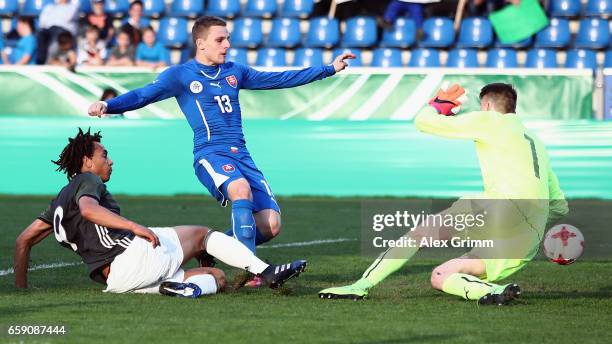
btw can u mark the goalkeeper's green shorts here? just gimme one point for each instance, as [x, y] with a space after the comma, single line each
[499, 269]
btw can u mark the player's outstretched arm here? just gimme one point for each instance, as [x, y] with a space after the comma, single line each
[256, 80]
[165, 86]
[340, 62]
[92, 211]
[32, 235]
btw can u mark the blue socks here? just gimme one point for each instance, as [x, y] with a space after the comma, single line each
[259, 238]
[243, 223]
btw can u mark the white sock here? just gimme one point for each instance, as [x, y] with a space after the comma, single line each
[206, 282]
[232, 252]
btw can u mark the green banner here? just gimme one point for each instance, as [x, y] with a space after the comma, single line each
[355, 94]
[299, 157]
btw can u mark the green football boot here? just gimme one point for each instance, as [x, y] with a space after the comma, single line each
[355, 291]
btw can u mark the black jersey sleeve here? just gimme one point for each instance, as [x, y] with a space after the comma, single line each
[90, 185]
[47, 215]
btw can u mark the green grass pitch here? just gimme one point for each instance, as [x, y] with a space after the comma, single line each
[560, 304]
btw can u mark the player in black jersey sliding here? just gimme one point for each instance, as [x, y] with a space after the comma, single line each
[122, 254]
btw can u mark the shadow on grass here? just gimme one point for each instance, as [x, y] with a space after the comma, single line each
[413, 339]
[605, 293]
[14, 310]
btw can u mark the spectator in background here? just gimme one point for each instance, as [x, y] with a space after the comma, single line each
[101, 20]
[110, 93]
[60, 16]
[25, 51]
[92, 50]
[65, 54]
[398, 8]
[123, 53]
[1, 48]
[150, 53]
[133, 25]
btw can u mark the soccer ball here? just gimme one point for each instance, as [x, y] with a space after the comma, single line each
[563, 244]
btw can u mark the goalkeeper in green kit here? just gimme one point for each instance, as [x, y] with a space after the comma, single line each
[516, 175]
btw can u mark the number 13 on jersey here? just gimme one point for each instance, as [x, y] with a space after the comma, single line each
[224, 103]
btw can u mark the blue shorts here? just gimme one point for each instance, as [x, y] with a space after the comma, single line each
[216, 171]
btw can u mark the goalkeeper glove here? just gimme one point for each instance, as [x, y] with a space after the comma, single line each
[448, 100]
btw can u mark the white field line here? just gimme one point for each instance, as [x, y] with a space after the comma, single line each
[154, 109]
[339, 101]
[322, 95]
[78, 102]
[307, 243]
[419, 97]
[377, 99]
[42, 267]
[10, 271]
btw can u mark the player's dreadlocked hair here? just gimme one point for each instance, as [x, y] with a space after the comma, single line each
[71, 159]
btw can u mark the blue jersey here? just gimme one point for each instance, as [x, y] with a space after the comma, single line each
[208, 97]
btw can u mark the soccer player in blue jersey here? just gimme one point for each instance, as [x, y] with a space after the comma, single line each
[206, 89]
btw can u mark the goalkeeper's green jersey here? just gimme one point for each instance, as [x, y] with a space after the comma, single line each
[513, 161]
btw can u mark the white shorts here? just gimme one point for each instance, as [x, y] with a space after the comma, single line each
[141, 268]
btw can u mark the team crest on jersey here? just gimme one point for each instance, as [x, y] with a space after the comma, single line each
[196, 87]
[228, 168]
[232, 81]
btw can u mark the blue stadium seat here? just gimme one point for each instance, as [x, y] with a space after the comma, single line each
[387, 57]
[597, 8]
[154, 8]
[238, 55]
[9, 8]
[356, 62]
[541, 58]
[297, 8]
[462, 58]
[285, 33]
[84, 6]
[581, 58]
[475, 32]
[322, 33]
[360, 32]
[271, 57]
[247, 33]
[116, 8]
[516, 45]
[608, 59]
[438, 33]
[402, 35]
[555, 35]
[564, 8]
[260, 8]
[223, 8]
[307, 57]
[424, 58]
[173, 32]
[32, 8]
[502, 58]
[186, 8]
[593, 33]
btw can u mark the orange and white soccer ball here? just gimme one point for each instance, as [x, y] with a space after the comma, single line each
[563, 244]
